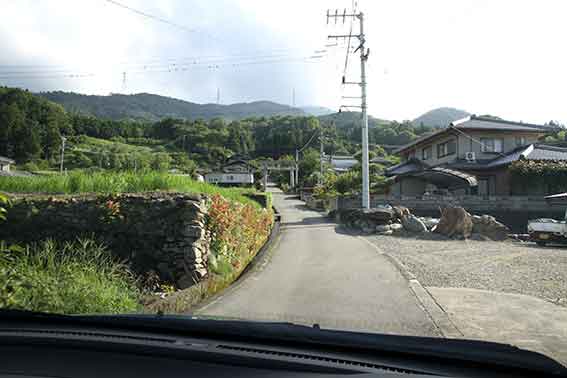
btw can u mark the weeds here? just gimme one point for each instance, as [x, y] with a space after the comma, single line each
[116, 182]
[71, 278]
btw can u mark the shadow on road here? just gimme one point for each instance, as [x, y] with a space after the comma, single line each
[296, 198]
[309, 221]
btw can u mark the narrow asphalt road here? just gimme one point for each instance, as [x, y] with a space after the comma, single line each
[316, 273]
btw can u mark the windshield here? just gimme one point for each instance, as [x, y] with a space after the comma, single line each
[360, 165]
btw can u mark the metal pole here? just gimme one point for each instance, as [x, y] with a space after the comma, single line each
[296, 167]
[365, 169]
[322, 156]
[63, 139]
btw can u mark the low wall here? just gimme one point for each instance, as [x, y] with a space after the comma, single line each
[160, 232]
[514, 211]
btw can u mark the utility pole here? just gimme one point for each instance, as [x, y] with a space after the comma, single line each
[293, 97]
[218, 96]
[322, 157]
[63, 140]
[363, 106]
[297, 167]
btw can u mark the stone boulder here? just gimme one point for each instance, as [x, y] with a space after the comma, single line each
[400, 211]
[396, 227]
[489, 227]
[383, 228]
[413, 224]
[455, 222]
[430, 223]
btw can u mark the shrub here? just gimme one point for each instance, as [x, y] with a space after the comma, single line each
[238, 231]
[71, 278]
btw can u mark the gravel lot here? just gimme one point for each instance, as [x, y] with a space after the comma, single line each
[511, 267]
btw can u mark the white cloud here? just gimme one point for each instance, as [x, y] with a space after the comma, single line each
[504, 58]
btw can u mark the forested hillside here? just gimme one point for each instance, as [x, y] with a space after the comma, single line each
[149, 107]
[31, 130]
[348, 126]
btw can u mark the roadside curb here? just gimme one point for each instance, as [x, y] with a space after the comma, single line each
[435, 312]
[258, 262]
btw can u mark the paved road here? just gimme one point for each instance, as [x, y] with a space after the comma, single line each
[317, 274]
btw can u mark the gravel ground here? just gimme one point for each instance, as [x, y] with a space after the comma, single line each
[511, 267]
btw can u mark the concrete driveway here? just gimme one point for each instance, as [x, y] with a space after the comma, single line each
[317, 274]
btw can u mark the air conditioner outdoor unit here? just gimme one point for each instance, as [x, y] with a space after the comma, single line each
[470, 156]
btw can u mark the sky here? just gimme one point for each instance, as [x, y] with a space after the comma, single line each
[505, 57]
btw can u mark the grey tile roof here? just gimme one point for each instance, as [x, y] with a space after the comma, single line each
[405, 167]
[474, 122]
[6, 160]
[531, 152]
[484, 123]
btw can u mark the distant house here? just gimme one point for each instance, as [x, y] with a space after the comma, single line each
[341, 163]
[470, 156]
[5, 164]
[236, 171]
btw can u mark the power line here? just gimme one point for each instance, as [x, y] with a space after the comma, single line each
[156, 18]
[252, 59]
[161, 69]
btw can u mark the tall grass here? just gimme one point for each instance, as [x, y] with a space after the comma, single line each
[70, 278]
[115, 182]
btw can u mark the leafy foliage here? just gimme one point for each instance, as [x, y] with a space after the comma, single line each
[552, 174]
[237, 231]
[3, 202]
[70, 278]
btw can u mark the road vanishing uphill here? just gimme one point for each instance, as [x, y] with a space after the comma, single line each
[316, 273]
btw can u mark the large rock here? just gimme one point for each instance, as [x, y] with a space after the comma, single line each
[413, 224]
[488, 226]
[455, 222]
[383, 228]
[429, 222]
[400, 211]
[396, 227]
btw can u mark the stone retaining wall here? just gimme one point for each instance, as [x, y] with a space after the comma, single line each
[514, 211]
[160, 232]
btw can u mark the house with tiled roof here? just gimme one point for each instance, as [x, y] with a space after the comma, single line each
[471, 156]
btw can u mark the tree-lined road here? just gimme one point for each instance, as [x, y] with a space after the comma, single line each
[318, 274]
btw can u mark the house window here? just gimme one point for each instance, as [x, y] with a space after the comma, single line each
[446, 148]
[492, 144]
[520, 141]
[426, 153]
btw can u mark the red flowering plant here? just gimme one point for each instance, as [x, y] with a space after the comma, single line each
[238, 231]
[110, 211]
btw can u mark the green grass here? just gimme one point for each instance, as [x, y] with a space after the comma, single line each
[116, 182]
[69, 278]
[89, 144]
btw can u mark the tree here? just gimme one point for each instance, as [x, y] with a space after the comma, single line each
[26, 142]
[309, 163]
[161, 161]
[184, 164]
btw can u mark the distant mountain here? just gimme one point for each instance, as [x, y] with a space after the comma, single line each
[144, 106]
[348, 119]
[440, 117]
[317, 110]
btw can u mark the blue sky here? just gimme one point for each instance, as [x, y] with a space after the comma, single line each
[503, 57]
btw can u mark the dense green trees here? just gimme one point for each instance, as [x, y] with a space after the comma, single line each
[30, 127]
[31, 130]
